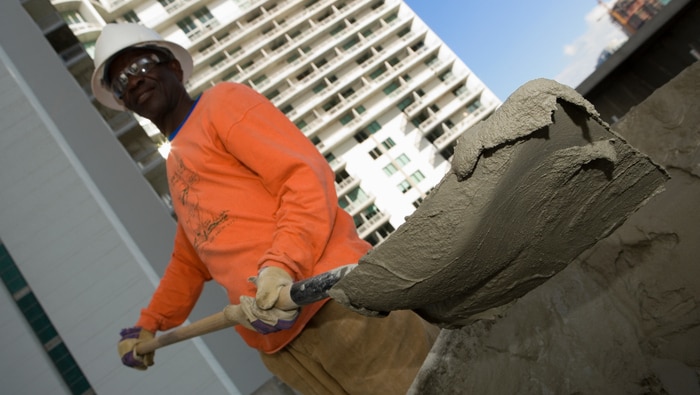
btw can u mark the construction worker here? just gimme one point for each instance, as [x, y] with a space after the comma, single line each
[254, 199]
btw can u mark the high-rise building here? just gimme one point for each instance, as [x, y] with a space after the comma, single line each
[379, 94]
[84, 232]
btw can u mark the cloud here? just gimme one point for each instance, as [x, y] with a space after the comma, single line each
[584, 51]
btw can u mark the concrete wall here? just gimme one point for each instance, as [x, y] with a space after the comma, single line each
[90, 237]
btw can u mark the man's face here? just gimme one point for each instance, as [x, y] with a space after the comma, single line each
[146, 85]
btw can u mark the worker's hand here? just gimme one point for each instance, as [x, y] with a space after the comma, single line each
[266, 321]
[269, 282]
[130, 338]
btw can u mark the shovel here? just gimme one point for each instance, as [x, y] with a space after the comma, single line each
[300, 293]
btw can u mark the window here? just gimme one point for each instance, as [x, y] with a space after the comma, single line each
[347, 92]
[193, 27]
[474, 106]
[287, 109]
[230, 76]
[165, 2]
[432, 60]
[417, 202]
[72, 17]
[321, 86]
[388, 143]
[375, 153]
[390, 169]
[131, 17]
[330, 104]
[316, 140]
[187, 25]
[404, 186]
[259, 80]
[356, 195]
[304, 73]
[420, 118]
[405, 103]
[272, 94]
[364, 134]
[380, 234]
[376, 73]
[345, 119]
[301, 124]
[404, 32]
[417, 176]
[364, 57]
[374, 127]
[446, 75]
[460, 90]
[350, 43]
[366, 215]
[278, 43]
[341, 175]
[392, 87]
[339, 28]
[203, 15]
[402, 160]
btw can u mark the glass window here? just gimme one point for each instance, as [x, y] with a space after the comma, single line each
[72, 17]
[402, 160]
[405, 103]
[404, 186]
[417, 176]
[390, 169]
[388, 143]
[345, 119]
[131, 17]
[392, 87]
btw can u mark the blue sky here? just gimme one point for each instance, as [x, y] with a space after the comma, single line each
[507, 43]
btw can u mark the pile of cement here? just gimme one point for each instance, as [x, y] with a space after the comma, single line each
[624, 317]
[531, 188]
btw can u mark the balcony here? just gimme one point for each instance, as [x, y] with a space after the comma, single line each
[372, 224]
[347, 184]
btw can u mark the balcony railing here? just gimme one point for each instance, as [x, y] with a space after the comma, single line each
[371, 224]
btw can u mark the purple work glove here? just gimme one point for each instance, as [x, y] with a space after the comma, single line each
[130, 337]
[266, 321]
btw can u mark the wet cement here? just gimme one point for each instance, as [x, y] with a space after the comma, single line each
[624, 317]
[531, 188]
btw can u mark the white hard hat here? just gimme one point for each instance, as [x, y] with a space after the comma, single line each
[116, 37]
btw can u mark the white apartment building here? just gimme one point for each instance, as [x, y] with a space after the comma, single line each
[381, 96]
[84, 233]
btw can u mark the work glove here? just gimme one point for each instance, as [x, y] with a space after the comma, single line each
[130, 338]
[269, 282]
[266, 321]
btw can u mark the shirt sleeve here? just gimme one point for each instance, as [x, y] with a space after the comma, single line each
[178, 290]
[293, 170]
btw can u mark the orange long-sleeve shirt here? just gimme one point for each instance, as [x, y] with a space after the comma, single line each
[249, 190]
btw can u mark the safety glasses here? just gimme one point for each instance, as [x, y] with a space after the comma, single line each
[138, 68]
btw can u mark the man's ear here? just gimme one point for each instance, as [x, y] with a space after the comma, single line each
[175, 67]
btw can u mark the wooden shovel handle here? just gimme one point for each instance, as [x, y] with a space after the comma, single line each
[291, 297]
